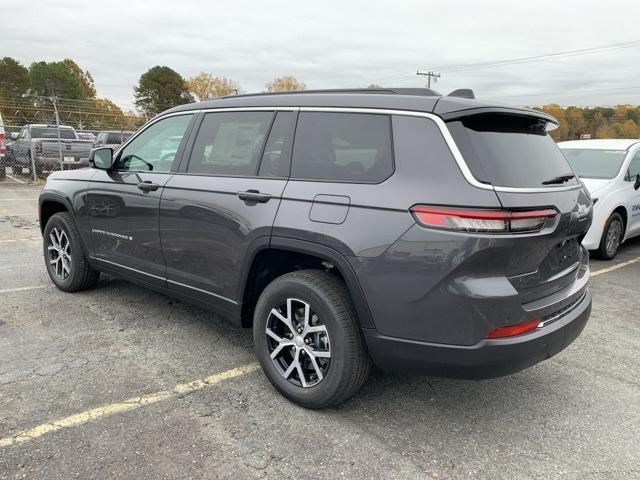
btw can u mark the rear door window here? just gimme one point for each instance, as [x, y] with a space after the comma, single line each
[230, 143]
[510, 151]
[349, 147]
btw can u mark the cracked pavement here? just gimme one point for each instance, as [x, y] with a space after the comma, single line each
[574, 416]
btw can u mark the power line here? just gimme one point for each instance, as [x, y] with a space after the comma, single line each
[535, 58]
[565, 92]
[513, 61]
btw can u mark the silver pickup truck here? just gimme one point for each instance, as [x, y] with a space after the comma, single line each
[48, 152]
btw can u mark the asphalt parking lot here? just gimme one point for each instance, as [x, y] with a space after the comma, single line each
[122, 382]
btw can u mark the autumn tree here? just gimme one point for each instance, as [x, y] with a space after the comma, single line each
[206, 86]
[575, 122]
[14, 79]
[286, 83]
[627, 129]
[160, 88]
[556, 111]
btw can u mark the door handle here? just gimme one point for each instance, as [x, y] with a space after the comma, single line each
[148, 186]
[254, 196]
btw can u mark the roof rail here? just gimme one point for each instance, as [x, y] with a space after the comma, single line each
[391, 91]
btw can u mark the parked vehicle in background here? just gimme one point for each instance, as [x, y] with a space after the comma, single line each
[86, 136]
[3, 151]
[418, 232]
[112, 139]
[43, 142]
[610, 169]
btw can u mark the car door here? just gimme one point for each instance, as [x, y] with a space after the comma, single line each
[123, 203]
[632, 196]
[224, 198]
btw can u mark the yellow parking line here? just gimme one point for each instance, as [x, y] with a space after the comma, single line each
[615, 267]
[124, 406]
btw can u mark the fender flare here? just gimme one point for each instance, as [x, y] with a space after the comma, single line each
[57, 198]
[317, 250]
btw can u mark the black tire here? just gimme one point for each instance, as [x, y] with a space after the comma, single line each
[349, 364]
[16, 169]
[39, 173]
[3, 170]
[611, 237]
[80, 275]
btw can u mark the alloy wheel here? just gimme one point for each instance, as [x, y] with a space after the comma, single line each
[59, 249]
[614, 235]
[298, 343]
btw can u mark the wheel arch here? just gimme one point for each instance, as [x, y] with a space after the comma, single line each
[622, 210]
[48, 205]
[268, 259]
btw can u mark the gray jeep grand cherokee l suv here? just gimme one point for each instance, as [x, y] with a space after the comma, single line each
[398, 228]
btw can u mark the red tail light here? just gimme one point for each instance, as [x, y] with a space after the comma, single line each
[3, 146]
[472, 220]
[513, 330]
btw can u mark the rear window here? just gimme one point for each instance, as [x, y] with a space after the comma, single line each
[510, 150]
[342, 147]
[65, 133]
[592, 163]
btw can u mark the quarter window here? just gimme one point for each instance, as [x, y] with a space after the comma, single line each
[155, 149]
[230, 143]
[634, 167]
[342, 147]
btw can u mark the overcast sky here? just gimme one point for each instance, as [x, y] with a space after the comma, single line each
[339, 44]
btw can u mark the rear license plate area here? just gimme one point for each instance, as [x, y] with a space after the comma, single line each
[564, 254]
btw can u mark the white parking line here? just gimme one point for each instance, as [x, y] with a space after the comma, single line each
[125, 406]
[16, 240]
[22, 289]
[15, 179]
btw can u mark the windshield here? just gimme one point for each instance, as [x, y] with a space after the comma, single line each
[592, 163]
[65, 133]
[511, 151]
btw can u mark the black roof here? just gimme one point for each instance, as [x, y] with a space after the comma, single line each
[415, 99]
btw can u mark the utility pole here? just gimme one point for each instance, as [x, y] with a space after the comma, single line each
[55, 109]
[429, 76]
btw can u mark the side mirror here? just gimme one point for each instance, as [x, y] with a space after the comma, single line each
[636, 185]
[14, 136]
[101, 158]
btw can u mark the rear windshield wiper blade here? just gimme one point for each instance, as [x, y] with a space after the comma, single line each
[559, 179]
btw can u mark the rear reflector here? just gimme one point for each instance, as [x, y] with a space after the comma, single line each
[470, 220]
[513, 330]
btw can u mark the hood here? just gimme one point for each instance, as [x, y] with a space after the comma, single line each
[594, 185]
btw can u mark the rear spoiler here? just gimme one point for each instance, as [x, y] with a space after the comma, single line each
[526, 112]
[462, 93]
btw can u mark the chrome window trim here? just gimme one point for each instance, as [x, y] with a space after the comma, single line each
[457, 155]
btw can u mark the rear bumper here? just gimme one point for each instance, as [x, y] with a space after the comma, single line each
[487, 358]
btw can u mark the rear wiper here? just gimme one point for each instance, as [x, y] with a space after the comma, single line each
[559, 179]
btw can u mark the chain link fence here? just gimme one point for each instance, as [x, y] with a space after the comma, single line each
[33, 150]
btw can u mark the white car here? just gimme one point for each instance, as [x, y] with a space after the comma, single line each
[610, 169]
